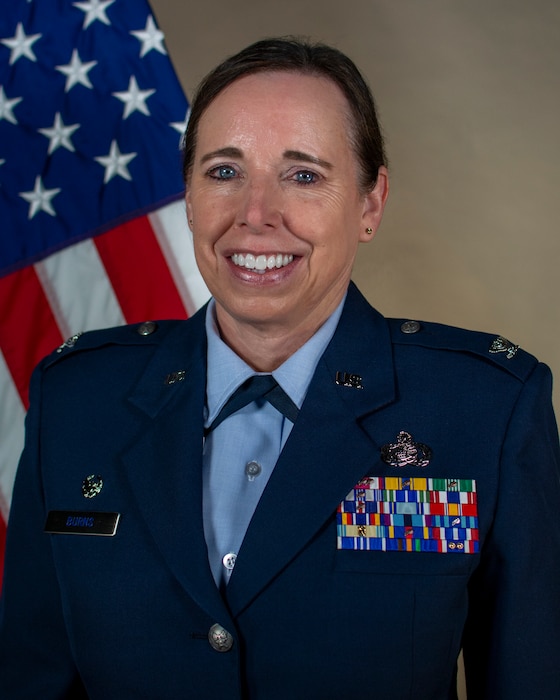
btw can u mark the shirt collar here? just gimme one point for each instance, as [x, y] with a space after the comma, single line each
[226, 371]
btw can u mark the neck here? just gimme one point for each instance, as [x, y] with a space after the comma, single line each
[263, 348]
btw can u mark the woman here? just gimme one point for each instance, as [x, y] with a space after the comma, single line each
[389, 497]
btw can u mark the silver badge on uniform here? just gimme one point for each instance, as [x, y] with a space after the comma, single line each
[405, 452]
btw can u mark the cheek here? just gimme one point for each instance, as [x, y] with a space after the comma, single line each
[210, 221]
[326, 212]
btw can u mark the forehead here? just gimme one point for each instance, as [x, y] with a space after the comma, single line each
[280, 101]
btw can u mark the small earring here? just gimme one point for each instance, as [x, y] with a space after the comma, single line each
[190, 222]
[369, 230]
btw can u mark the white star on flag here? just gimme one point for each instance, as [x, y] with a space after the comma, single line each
[76, 72]
[95, 10]
[39, 198]
[181, 126]
[115, 163]
[6, 106]
[60, 134]
[151, 38]
[21, 44]
[134, 99]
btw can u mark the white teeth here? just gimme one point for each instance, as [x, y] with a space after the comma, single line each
[261, 263]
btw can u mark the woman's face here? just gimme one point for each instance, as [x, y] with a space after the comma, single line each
[276, 208]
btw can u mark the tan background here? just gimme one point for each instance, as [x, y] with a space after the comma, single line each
[469, 98]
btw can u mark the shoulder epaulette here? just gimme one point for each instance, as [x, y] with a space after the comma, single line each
[491, 348]
[133, 334]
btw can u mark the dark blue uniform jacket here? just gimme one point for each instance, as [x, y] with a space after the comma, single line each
[339, 591]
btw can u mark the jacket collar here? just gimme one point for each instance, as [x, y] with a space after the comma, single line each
[164, 465]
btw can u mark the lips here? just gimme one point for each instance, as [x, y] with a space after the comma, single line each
[261, 263]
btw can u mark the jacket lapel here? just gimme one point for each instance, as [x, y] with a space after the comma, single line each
[327, 453]
[164, 465]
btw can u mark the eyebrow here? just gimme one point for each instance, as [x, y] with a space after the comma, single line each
[233, 152]
[226, 152]
[300, 155]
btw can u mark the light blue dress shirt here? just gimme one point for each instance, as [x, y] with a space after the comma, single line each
[240, 454]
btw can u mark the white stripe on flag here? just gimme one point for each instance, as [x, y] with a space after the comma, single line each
[78, 289]
[12, 414]
[170, 227]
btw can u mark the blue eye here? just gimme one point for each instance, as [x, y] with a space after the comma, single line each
[223, 172]
[305, 177]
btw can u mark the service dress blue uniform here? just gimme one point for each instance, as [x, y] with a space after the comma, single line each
[414, 511]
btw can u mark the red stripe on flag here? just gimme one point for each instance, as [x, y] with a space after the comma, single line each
[28, 329]
[139, 273]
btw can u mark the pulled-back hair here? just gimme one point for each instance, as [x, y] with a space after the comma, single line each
[293, 55]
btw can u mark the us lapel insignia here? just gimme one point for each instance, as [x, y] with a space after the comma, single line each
[501, 344]
[405, 452]
[354, 381]
[174, 377]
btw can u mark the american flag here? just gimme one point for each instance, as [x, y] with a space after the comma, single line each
[93, 230]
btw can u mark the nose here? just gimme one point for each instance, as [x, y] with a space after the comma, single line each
[260, 205]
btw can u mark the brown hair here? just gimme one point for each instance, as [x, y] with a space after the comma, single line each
[290, 54]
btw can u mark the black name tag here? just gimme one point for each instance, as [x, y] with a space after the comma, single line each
[77, 522]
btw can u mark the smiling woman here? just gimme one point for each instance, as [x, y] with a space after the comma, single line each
[275, 178]
[317, 502]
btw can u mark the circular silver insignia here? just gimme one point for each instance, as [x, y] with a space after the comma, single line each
[92, 485]
[147, 328]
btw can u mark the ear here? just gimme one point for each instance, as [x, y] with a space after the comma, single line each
[189, 206]
[374, 205]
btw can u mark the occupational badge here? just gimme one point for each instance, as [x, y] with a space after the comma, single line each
[405, 452]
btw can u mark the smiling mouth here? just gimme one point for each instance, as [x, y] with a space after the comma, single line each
[261, 263]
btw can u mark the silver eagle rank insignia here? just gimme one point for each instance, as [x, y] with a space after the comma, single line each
[501, 344]
[72, 340]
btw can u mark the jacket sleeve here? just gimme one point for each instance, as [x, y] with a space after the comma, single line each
[35, 652]
[512, 638]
